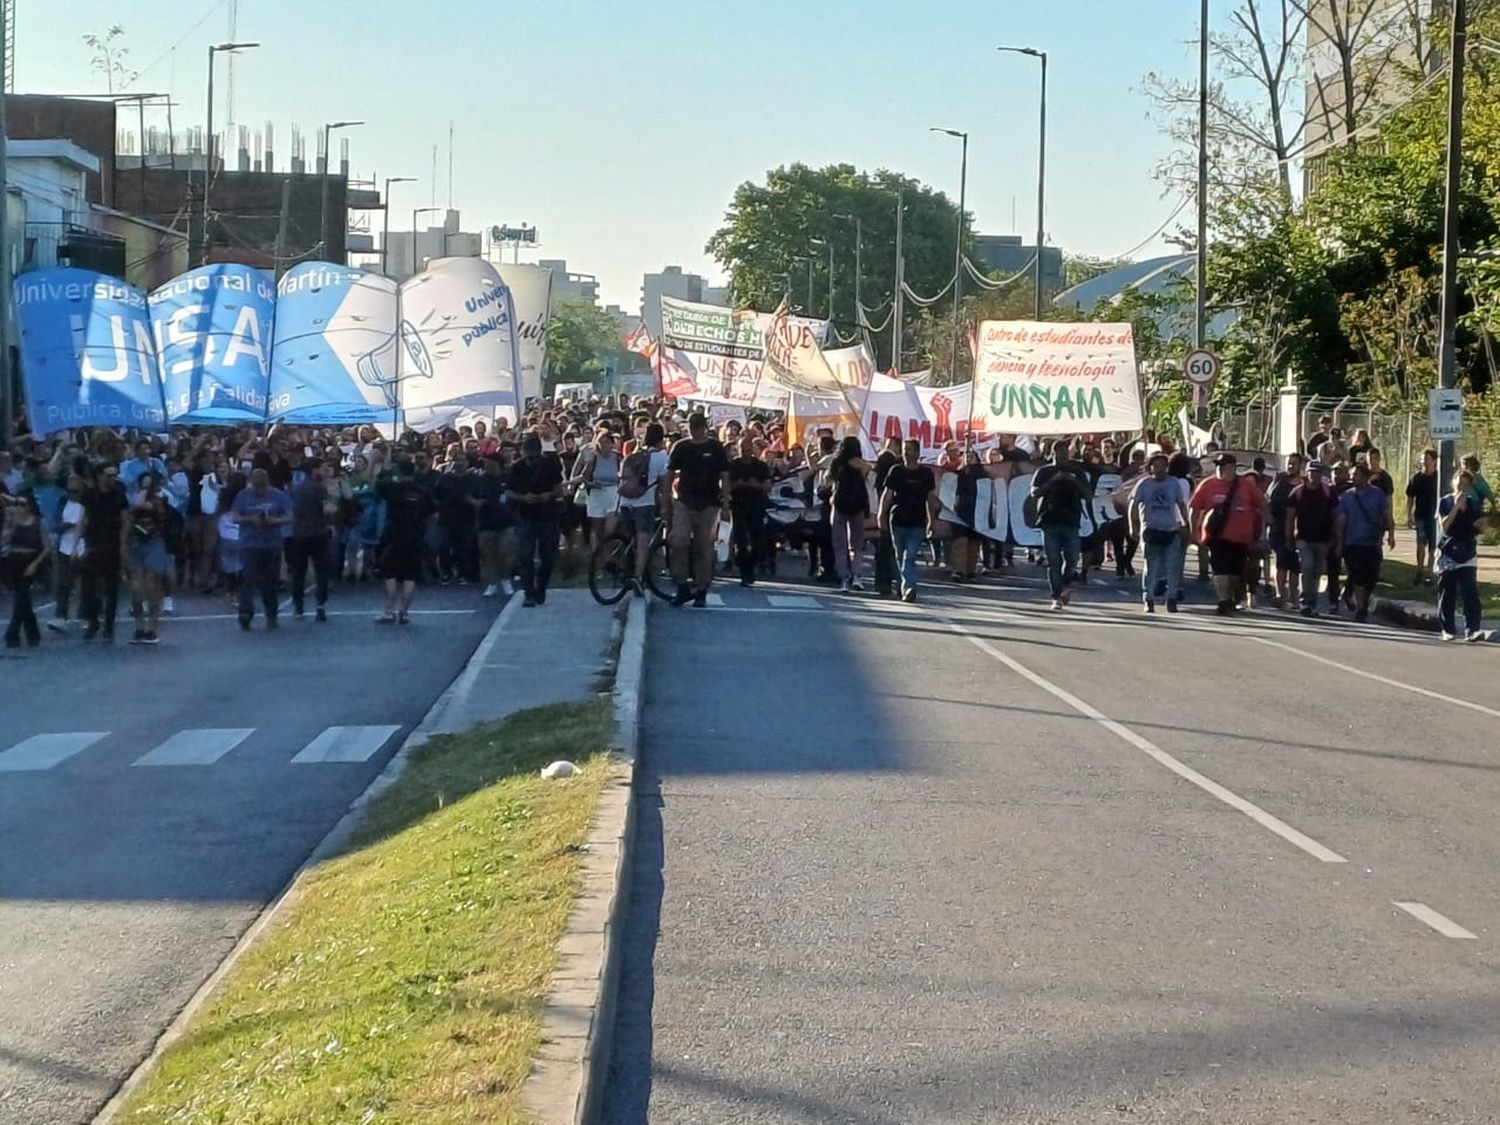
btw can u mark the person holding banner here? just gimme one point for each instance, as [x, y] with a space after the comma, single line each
[849, 510]
[1061, 498]
[908, 509]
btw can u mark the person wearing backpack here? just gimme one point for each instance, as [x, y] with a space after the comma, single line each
[639, 501]
[1227, 514]
[849, 503]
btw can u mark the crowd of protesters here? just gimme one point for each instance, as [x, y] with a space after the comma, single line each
[97, 517]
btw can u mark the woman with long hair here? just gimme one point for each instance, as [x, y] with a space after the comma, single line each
[24, 547]
[849, 502]
[150, 561]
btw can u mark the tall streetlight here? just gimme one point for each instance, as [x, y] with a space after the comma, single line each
[328, 171]
[385, 234]
[859, 244]
[958, 249]
[414, 213]
[1041, 166]
[1447, 359]
[1200, 298]
[200, 252]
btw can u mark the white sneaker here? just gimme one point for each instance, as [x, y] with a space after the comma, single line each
[1447, 636]
[856, 584]
[492, 589]
[507, 587]
[168, 605]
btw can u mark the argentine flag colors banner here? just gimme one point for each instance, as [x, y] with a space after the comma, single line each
[222, 345]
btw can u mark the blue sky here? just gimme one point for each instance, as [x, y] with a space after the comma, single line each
[622, 128]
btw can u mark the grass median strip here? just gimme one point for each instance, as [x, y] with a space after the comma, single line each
[405, 982]
[1398, 580]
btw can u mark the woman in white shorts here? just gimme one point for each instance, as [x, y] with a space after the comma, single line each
[601, 478]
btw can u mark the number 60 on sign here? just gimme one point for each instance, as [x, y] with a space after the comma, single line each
[1201, 367]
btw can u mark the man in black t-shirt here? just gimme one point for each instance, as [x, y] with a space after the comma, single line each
[908, 505]
[104, 509]
[408, 508]
[1421, 513]
[536, 489]
[699, 468]
[749, 485]
[885, 552]
[1060, 497]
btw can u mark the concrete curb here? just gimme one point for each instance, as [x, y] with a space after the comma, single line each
[1419, 617]
[331, 843]
[566, 1084]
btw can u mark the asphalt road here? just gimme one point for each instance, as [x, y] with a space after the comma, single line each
[125, 878]
[973, 861]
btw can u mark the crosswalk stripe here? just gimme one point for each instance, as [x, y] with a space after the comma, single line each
[791, 601]
[43, 751]
[345, 744]
[200, 747]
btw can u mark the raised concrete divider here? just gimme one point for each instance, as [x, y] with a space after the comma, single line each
[555, 653]
[566, 1085]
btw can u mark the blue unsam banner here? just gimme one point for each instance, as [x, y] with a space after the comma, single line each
[213, 343]
[220, 346]
[87, 355]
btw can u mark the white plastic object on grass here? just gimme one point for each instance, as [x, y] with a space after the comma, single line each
[559, 770]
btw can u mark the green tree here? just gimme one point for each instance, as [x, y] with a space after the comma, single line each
[769, 226]
[108, 58]
[581, 339]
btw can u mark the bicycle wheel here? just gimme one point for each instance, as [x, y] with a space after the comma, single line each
[610, 567]
[658, 571]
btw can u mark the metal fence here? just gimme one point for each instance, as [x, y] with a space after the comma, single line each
[1400, 437]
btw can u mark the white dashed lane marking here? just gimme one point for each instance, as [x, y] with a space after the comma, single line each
[196, 747]
[345, 744]
[43, 751]
[1443, 925]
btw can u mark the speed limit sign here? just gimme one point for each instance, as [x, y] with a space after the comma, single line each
[1202, 367]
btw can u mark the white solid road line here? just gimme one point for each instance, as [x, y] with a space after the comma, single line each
[345, 744]
[1187, 773]
[201, 747]
[1443, 925]
[43, 751]
[1454, 700]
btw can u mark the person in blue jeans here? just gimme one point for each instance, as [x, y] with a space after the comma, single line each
[1460, 520]
[1060, 498]
[908, 505]
[1158, 518]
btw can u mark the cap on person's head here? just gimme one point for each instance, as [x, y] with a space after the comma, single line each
[1316, 466]
[531, 444]
[1225, 459]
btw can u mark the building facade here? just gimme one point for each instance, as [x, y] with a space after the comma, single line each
[674, 282]
[445, 241]
[1007, 255]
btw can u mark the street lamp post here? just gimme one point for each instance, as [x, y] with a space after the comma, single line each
[385, 234]
[199, 253]
[1447, 359]
[859, 240]
[958, 249]
[1200, 298]
[1041, 166]
[898, 302]
[327, 172]
[415, 211]
[806, 258]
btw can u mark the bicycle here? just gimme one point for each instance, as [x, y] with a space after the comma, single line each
[612, 566]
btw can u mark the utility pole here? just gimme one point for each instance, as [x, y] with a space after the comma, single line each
[897, 301]
[327, 172]
[1200, 302]
[1041, 185]
[7, 375]
[281, 225]
[958, 249]
[1447, 359]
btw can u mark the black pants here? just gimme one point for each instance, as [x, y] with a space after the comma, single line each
[101, 590]
[304, 549]
[537, 537]
[885, 564]
[460, 554]
[22, 616]
[1460, 582]
[262, 567]
[749, 539]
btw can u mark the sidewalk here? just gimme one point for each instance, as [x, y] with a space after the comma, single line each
[1403, 603]
[553, 653]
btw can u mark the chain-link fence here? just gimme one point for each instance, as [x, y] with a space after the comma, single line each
[1400, 437]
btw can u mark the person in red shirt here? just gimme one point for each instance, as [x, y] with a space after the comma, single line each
[1228, 513]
